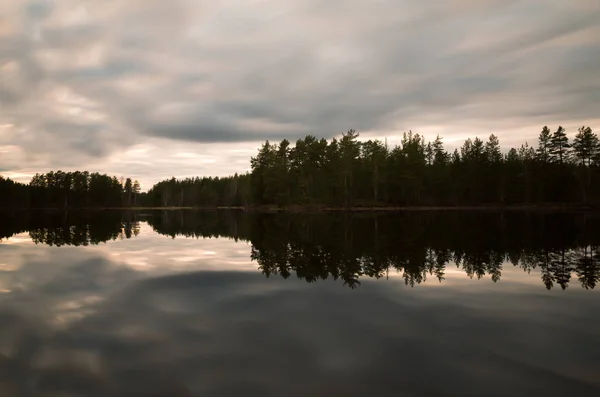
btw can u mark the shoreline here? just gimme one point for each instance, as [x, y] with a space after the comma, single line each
[323, 209]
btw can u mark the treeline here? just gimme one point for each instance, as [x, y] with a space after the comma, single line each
[82, 189]
[79, 189]
[231, 191]
[347, 172]
[13, 194]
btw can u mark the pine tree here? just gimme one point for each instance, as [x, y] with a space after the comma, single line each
[585, 145]
[136, 191]
[349, 152]
[559, 146]
[544, 144]
[492, 149]
[440, 156]
[128, 192]
[429, 153]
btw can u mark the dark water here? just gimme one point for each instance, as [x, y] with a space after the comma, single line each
[235, 304]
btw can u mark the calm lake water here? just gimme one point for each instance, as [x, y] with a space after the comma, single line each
[235, 304]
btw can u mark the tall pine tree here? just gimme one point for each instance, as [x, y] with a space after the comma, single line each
[559, 146]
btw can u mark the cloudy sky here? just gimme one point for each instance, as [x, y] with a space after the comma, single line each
[152, 88]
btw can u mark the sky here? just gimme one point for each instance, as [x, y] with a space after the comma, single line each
[151, 89]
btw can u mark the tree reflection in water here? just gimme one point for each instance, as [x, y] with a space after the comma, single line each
[417, 245]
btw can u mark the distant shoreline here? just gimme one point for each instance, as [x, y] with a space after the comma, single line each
[321, 209]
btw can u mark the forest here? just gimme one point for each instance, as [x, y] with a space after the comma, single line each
[348, 172]
[58, 189]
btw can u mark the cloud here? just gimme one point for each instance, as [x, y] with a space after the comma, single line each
[81, 80]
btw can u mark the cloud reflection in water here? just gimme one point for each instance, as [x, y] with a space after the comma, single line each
[96, 322]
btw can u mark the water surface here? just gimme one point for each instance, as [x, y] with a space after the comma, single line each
[229, 303]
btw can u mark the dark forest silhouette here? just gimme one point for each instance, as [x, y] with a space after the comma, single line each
[70, 190]
[346, 172]
[563, 246]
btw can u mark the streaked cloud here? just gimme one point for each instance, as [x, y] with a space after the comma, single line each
[86, 82]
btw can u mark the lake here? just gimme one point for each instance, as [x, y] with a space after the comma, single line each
[226, 303]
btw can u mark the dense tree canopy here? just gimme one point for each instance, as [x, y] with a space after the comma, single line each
[13, 194]
[200, 192]
[347, 172]
[58, 189]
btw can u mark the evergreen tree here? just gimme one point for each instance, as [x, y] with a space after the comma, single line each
[136, 191]
[429, 153]
[559, 146]
[440, 156]
[585, 145]
[128, 192]
[492, 149]
[261, 165]
[544, 145]
[374, 155]
[349, 152]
